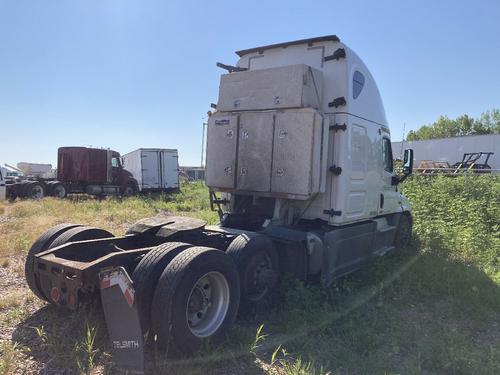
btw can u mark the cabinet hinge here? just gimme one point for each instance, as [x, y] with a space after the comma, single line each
[332, 212]
[338, 127]
[337, 102]
[336, 170]
[337, 55]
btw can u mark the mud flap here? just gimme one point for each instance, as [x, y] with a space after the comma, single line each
[122, 320]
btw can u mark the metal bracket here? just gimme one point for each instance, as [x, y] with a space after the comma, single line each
[336, 170]
[220, 201]
[337, 55]
[338, 127]
[332, 212]
[337, 102]
[231, 68]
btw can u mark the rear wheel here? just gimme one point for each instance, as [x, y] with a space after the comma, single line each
[257, 261]
[80, 234]
[58, 190]
[11, 194]
[147, 273]
[196, 299]
[129, 190]
[34, 190]
[41, 244]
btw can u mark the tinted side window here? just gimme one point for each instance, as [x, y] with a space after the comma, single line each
[115, 162]
[358, 81]
[387, 154]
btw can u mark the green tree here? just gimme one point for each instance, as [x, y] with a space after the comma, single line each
[444, 127]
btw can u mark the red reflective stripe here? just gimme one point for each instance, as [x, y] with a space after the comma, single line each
[129, 297]
[106, 283]
[55, 294]
[121, 281]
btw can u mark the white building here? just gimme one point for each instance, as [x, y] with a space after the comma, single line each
[451, 150]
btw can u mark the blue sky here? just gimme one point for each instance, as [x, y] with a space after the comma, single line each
[129, 74]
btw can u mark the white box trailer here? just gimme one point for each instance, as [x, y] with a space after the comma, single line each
[155, 169]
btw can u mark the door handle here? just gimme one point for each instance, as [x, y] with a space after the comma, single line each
[381, 200]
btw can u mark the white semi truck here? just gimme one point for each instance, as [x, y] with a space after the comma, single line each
[299, 167]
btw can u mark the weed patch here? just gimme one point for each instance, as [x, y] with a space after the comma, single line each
[432, 308]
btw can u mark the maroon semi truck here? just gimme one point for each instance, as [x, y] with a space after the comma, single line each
[80, 170]
[93, 171]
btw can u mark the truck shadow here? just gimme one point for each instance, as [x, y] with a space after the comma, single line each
[407, 311]
[334, 327]
[76, 341]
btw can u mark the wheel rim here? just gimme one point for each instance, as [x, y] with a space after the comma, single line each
[257, 276]
[207, 304]
[129, 190]
[36, 192]
[60, 191]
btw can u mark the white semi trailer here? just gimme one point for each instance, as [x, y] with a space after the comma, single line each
[299, 166]
[155, 169]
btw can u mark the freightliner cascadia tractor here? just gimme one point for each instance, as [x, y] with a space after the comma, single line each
[300, 169]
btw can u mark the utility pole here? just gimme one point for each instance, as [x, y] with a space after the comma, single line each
[203, 144]
[402, 141]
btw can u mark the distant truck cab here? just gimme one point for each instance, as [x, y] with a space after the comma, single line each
[94, 171]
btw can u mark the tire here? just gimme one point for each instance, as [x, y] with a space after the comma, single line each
[21, 189]
[404, 233]
[181, 295]
[129, 190]
[147, 273]
[58, 190]
[34, 190]
[80, 234]
[41, 244]
[257, 261]
[11, 195]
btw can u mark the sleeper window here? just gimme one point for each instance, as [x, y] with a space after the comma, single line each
[387, 154]
[358, 81]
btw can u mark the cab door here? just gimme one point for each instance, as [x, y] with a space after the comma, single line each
[389, 196]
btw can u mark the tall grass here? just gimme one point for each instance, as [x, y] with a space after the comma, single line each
[29, 218]
[460, 217]
[433, 308]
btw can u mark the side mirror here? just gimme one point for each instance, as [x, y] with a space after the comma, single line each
[408, 162]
